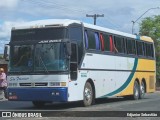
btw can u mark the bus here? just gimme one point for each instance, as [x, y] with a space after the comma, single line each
[62, 60]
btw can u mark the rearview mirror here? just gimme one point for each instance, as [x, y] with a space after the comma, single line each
[6, 52]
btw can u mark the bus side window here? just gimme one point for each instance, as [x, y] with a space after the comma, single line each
[140, 51]
[152, 51]
[107, 46]
[86, 39]
[75, 33]
[131, 47]
[119, 44]
[149, 50]
[97, 41]
[111, 43]
[92, 40]
[102, 41]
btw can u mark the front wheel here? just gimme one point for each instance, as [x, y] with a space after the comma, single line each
[88, 95]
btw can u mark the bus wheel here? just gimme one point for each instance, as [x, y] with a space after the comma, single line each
[38, 104]
[142, 90]
[136, 91]
[87, 95]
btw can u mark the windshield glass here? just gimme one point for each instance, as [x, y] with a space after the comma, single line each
[50, 57]
[21, 58]
[40, 57]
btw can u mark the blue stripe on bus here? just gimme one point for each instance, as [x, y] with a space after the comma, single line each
[39, 94]
[127, 82]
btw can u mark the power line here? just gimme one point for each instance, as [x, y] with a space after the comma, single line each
[56, 6]
[52, 4]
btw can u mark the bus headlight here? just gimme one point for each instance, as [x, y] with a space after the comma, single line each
[57, 84]
[63, 83]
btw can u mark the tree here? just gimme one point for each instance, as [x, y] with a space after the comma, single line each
[150, 26]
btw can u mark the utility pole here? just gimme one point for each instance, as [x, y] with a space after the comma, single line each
[95, 17]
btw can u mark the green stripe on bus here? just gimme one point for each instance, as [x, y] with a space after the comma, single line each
[127, 82]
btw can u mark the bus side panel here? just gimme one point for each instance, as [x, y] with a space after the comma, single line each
[111, 74]
[149, 76]
[145, 70]
[76, 87]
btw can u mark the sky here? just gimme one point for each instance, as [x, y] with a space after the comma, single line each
[118, 14]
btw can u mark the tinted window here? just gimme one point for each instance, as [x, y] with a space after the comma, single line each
[149, 50]
[102, 42]
[131, 47]
[106, 42]
[75, 33]
[74, 53]
[73, 62]
[92, 40]
[139, 46]
[86, 39]
[119, 44]
[97, 41]
[38, 34]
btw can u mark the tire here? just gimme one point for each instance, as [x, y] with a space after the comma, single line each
[136, 91]
[38, 104]
[88, 97]
[142, 90]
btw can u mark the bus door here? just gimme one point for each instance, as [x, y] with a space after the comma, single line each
[73, 61]
[73, 87]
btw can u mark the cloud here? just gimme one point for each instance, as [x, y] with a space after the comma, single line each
[5, 29]
[5, 32]
[8, 3]
[118, 14]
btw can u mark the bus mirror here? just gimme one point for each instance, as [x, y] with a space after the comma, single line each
[69, 52]
[6, 52]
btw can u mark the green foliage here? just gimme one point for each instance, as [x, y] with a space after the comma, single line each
[150, 26]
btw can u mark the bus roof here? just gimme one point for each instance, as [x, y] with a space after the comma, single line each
[47, 22]
[109, 30]
[66, 22]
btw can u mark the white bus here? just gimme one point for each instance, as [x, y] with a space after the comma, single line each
[68, 60]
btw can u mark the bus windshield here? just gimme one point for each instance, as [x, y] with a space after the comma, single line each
[38, 58]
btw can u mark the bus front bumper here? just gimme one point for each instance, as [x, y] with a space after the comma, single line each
[38, 94]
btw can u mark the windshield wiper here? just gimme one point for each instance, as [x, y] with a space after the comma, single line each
[40, 58]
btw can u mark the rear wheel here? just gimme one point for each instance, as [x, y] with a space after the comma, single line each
[136, 91]
[38, 104]
[142, 90]
[88, 95]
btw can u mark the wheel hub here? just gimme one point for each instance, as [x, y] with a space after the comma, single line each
[87, 94]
